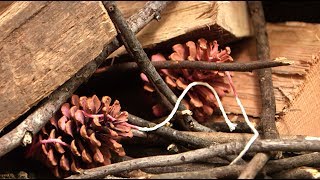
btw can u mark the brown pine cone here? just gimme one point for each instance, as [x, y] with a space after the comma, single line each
[81, 135]
[199, 99]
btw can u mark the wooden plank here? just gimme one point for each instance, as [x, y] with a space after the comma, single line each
[4, 5]
[224, 21]
[42, 44]
[295, 86]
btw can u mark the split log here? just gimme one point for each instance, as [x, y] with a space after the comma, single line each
[295, 86]
[43, 44]
[182, 20]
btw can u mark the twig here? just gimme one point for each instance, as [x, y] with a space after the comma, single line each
[35, 121]
[254, 166]
[114, 177]
[174, 110]
[200, 154]
[264, 75]
[170, 133]
[179, 168]
[269, 129]
[297, 173]
[161, 136]
[221, 126]
[198, 139]
[203, 65]
[169, 169]
[310, 159]
[232, 171]
[135, 49]
[222, 137]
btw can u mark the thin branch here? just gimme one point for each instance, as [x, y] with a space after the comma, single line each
[198, 139]
[179, 168]
[311, 159]
[297, 173]
[264, 75]
[200, 154]
[35, 121]
[169, 169]
[221, 126]
[269, 129]
[203, 65]
[170, 133]
[233, 171]
[222, 137]
[136, 51]
[230, 171]
[254, 166]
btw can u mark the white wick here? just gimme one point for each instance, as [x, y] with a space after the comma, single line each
[231, 125]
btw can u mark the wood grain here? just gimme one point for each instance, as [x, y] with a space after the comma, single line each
[295, 42]
[224, 21]
[43, 44]
[295, 86]
[4, 5]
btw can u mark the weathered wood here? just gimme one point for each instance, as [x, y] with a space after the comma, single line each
[4, 5]
[42, 44]
[224, 21]
[295, 86]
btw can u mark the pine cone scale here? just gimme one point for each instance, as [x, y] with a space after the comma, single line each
[201, 100]
[82, 136]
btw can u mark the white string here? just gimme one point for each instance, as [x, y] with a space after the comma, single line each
[231, 125]
[256, 133]
[252, 139]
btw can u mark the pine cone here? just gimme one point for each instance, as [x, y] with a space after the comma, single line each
[81, 136]
[200, 99]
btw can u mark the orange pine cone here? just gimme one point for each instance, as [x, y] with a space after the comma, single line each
[199, 99]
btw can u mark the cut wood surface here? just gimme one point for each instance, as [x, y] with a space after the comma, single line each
[43, 44]
[224, 21]
[4, 5]
[296, 87]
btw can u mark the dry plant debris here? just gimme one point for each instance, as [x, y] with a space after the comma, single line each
[81, 135]
[80, 138]
[200, 100]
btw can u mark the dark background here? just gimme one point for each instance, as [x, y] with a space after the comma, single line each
[281, 11]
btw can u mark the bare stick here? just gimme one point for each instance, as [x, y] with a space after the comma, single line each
[297, 173]
[135, 49]
[310, 159]
[203, 65]
[200, 154]
[222, 137]
[264, 75]
[169, 169]
[269, 129]
[170, 133]
[220, 126]
[35, 121]
[254, 166]
[232, 171]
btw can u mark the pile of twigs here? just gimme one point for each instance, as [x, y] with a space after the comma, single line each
[198, 151]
